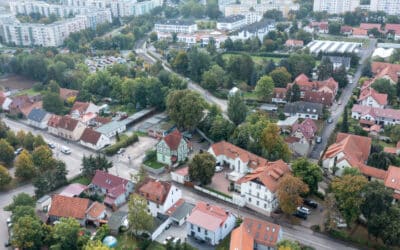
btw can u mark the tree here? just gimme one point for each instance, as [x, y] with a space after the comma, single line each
[382, 160]
[304, 36]
[214, 78]
[281, 77]
[300, 63]
[309, 172]
[391, 230]
[29, 141]
[293, 93]
[384, 86]
[21, 199]
[325, 69]
[6, 152]
[241, 67]
[344, 127]
[274, 146]
[42, 158]
[39, 141]
[202, 168]
[91, 164]
[348, 191]
[28, 233]
[288, 245]
[199, 62]
[378, 199]
[264, 88]
[53, 103]
[334, 28]
[5, 177]
[289, 190]
[138, 217]
[50, 179]
[21, 211]
[340, 75]
[237, 109]
[102, 232]
[24, 167]
[212, 10]
[96, 245]
[221, 129]
[185, 108]
[181, 63]
[66, 233]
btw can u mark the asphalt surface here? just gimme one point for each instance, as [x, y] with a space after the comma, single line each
[337, 110]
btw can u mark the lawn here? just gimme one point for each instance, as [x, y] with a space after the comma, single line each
[224, 244]
[30, 92]
[81, 179]
[126, 242]
[153, 163]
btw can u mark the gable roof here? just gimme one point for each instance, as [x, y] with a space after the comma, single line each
[359, 32]
[95, 210]
[307, 128]
[294, 43]
[269, 175]
[68, 123]
[394, 27]
[66, 93]
[210, 217]
[232, 151]
[303, 107]
[107, 181]
[241, 239]
[324, 98]
[302, 79]
[370, 26]
[73, 189]
[370, 92]
[37, 115]
[392, 179]
[376, 112]
[173, 139]
[90, 136]
[381, 69]
[356, 148]
[62, 206]
[155, 190]
[280, 93]
[54, 120]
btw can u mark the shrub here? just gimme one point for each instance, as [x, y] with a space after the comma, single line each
[123, 143]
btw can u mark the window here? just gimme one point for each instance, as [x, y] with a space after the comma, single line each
[205, 232]
[191, 226]
[249, 199]
[258, 203]
[225, 225]
[198, 229]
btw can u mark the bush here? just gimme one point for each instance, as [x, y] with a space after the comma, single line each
[316, 228]
[320, 195]
[123, 143]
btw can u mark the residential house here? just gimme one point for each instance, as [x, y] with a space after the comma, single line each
[66, 94]
[38, 118]
[160, 195]
[68, 207]
[115, 188]
[95, 140]
[181, 175]
[81, 108]
[339, 61]
[319, 27]
[304, 110]
[66, 127]
[172, 148]
[292, 43]
[359, 33]
[305, 131]
[387, 71]
[180, 211]
[23, 105]
[255, 234]
[348, 151]
[73, 190]
[175, 26]
[96, 213]
[287, 124]
[210, 223]
[279, 95]
[394, 30]
[259, 187]
[117, 220]
[112, 128]
[372, 98]
[371, 26]
[231, 23]
[376, 115]
[5, 102]
[346, 30]
[392, 181]
[258, 29]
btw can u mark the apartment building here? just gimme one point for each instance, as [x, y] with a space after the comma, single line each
[391, 7]
[121, 8]
[260, 6]
[175, 26]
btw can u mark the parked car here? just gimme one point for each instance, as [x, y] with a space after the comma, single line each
[18, 151]
[65, 150]
[340, 223]
[218, 169]
[304, 210]
[169, 238]
[51, 145]
[318, 139]
[176, 240]
[121, 150]
[330, 120]
[310, 203]
[300, 215]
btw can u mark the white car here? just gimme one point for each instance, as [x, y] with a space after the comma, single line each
[304, 210]
[218, 169]
[65, 150]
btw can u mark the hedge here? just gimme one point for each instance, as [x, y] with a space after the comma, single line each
[123, 143]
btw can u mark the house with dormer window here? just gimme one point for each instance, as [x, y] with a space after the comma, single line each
[172, 148]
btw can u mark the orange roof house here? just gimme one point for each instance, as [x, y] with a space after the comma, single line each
[294, 43]
[392, 180]
[252, 234]
[65, 207]
[173, 148]
[358, 32]
[67, 93]
[386, 70]
[370, 97]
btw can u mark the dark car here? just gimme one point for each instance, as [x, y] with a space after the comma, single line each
[300, 215]
[310, 203]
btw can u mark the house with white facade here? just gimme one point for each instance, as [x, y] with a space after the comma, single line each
[175, 26]
[160, 195]
[376, 115]
[65, 127]
[231, 23]
[38, 118]
[112, 128]
[258, 29]
[304, 110]
[210, 223]
[181, 175]
[172, 148]
[95, 140]
[259, 187]
[370, 97]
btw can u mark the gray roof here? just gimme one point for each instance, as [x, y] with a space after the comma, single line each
[182, 211]
[303, 107]
[231, 19]
[37, 115]
[110, 127]
[258, 25]
[176, 22]
[116, 220]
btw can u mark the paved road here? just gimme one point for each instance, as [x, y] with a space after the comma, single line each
[337, 110]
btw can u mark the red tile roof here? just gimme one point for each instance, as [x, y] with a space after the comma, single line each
[370, 92]
[173, 139]
[81, 107]
[302, 79]
[370, 26]
[95, 210]
[182, 171]
[90, 136]
[54, 120]
[392, 179]
[294, 43]
[268, 175]
[155, 190]
[108, 181]
[208, 216]
[62, 206]
[280, 93]
[394, 27]
[359, 32]
[308, 128]
[381, 69]
[241, 239]
[376, 112]
[66, 93]
[231, 151]
[68, 123]
[372, 172]
[324, 98]
[346, 29]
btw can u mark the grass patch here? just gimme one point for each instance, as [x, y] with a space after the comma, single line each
[30, 92]
[126, 242]
[224, 244]
[81, 179]
[156, 246]
[250, 96]
[218, 192]
[153, 163]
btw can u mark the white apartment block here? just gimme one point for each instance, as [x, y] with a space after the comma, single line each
[121, 8]
[175, 26]
[260, 6]
[231, 23]
[391, 7]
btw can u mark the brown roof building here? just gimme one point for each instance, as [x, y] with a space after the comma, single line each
[65, 207]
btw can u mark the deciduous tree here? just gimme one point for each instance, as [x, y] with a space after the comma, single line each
[28, 233]
[138, 217]
[24, 167]
[309, 172]
[91, 164]
[202, 168]
[289, 190]
[325, 69]
[5, 177]
[273, 144]
[6, 152]
[281, 77]
[264, 88]
[53, 103]
[66, 233]
[237, 109]
[21, 199]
